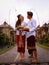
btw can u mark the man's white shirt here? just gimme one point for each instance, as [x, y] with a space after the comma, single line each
[31, 24]
[32, 28]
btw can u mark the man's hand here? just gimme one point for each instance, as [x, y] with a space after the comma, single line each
[25, 29]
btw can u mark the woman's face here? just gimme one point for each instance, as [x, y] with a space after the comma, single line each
[22, 18]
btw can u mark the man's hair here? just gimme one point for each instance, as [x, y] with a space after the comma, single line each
[30, 13]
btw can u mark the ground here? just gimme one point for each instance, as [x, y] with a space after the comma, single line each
[12, 55]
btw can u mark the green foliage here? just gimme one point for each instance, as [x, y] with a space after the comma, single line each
[45, 39]
[4, 40]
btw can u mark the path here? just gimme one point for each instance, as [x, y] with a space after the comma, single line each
[11, 56]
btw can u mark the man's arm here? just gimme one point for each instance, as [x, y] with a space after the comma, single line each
[25, 29]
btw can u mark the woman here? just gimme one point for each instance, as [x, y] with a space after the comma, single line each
[20, 36]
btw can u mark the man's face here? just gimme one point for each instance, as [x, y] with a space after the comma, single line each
[28, 16]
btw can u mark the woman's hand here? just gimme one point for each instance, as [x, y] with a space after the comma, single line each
[20, 27]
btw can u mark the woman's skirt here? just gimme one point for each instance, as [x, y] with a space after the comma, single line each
[20, 43]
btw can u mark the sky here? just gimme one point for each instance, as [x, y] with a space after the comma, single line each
[9, 9]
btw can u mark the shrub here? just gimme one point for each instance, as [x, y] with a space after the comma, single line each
[4, 40]
[45, 39]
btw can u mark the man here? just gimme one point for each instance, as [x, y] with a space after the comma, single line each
[31, 36]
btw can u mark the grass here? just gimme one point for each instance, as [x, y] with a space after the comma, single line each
[5, 49]
[43, 46]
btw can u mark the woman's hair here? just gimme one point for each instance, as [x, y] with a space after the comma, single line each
[18, 22]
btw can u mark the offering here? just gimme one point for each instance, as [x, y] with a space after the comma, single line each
[20, 27]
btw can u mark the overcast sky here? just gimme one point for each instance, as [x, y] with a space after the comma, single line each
[10, 8]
